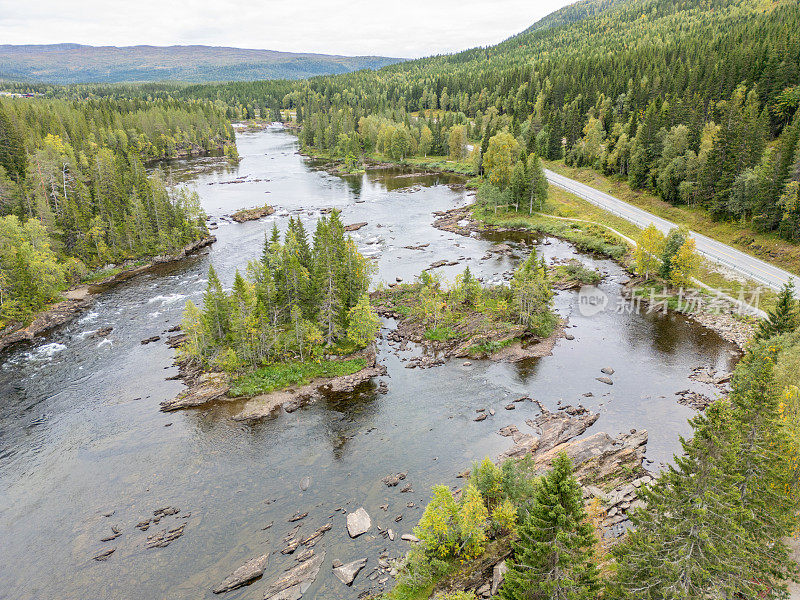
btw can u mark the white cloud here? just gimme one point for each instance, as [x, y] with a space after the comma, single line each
[409, 29]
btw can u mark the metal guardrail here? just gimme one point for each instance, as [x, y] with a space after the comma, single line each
[642, 221]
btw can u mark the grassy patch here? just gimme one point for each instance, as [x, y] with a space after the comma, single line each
[278, 376]
[589, 237]
[575, 272]
[441, 334]
[489, 347]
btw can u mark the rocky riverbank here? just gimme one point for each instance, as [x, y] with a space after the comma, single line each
[724, 318]
[77, 299]
[205, 387]
[609, 470]
[473, 336]
[715, 313]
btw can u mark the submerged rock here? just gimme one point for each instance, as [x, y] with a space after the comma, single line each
[296, 581]
[104, 554]
[347, 573]
[358, 522]
[244, 575]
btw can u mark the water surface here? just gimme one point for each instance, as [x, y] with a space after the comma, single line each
[81, 434]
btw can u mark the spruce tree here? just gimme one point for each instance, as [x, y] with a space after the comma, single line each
[12, 151]
[783, 317]
[688, 542]
[216, 309]
[553, 559]
[766, 465]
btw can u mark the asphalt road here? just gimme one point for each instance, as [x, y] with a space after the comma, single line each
[753, 268]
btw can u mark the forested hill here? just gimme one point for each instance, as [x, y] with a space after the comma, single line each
[75, 194]
[76, 63]
[694, 100]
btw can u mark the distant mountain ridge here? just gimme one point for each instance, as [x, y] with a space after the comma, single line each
[77, 63]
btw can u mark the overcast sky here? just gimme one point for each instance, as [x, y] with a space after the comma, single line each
[407, 29]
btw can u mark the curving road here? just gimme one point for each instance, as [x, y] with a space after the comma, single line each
[753, 268]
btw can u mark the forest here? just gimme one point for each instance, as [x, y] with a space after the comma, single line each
[299, 301]
[76, 194]
[695, 101]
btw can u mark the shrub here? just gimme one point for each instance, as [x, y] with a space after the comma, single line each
[488, 479]
[504, 518]
[437, 529]
[471, 520]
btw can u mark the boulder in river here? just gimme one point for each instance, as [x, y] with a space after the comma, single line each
[347, 573]
[247, 573]
[104, 554]
[606, 380]
[358, 522]
[607, 370]
[296, 581]
[252, 214]
[355, 226]
[393, 479]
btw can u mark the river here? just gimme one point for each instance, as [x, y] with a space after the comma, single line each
[81, 434]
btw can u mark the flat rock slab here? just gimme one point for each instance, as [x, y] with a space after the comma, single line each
[358, 522]
[247, 573]
[347, 573]
[554, 428]
[296, 581]
[209, 386]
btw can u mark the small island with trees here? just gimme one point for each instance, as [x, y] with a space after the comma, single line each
[468, 319]
[300, 314]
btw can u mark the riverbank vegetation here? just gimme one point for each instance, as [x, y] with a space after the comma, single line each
[713, 524]
[717, 135]
[75, 194]
[473, 319]
[297, 308]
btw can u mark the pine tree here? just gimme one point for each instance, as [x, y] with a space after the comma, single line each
[553, 559]
[531, 291]
[12, 151]
[765, 465]
[783, 317]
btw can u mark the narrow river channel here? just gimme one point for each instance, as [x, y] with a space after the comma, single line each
[81, 435]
